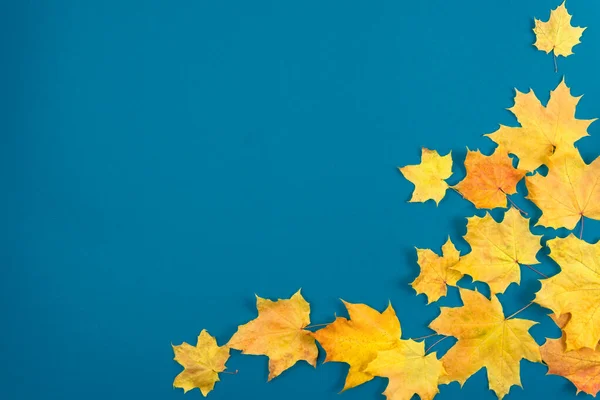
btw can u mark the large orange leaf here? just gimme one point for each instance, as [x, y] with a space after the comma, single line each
[357, 341]
[489, 179]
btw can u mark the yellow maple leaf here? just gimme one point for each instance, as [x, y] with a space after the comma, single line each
[356, 341]
[582, 367]
[557, 34]
[429, 177]
[409, 371]
[575, 290]
[569, 192]
[489, 179]
[436, 272]
[497, 249]
[543, 130]
[201, 363]
[485, 339]
[278, 332]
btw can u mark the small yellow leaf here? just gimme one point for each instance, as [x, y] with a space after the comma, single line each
[356, 341]
[201, 363]
[557, 34]
[489, 179]
[543, 130]
[278, 332]
[409, 371]
[568, 193]
[575, 290]
[485, 339]
[436, 272]
[429, 176]
[497, 249]
[582, 367]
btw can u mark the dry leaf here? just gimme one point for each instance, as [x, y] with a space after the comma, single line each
[436, 273]
[201, 364]
[497, 249]
[429, 176]
[582, 367]
[543, 129]
[569, 192]
[356, 341]
[485, 339]
[557, 34]
[575, 290]
[489, 179]
[278, 332]
[409, 371]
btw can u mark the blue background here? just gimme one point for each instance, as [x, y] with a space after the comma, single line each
[161, 162]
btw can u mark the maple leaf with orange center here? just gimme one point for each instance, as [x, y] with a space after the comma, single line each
[278, 332]
[582, 367]
[489, 179]
[357, 340]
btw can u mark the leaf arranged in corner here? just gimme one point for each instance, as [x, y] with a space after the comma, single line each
[581, 367]
[568, 193]
[202, 363]
[489, 179]
[497, 249]
[543, 130]
[429, 177]
[557, 34]
[485, 339]
[409, 371]
[575, 290]
[357, 341]
[278, 332]
[436, 272]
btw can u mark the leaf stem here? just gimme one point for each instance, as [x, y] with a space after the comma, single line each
[581, 231]
[513, 203]
[535, 270]
[429, 348]
[515, 313]
[425, 337]
[315, 325]
[555, 64]
[229, 373]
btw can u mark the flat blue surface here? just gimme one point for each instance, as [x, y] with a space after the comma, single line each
[163, 161]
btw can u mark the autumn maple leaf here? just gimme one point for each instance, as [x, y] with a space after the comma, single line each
[485, 339]
[202, 363]
[575, 290]
[278, 332]
[436, 272]
[568, 193]
[429, 177]
[497, 249]
[409, 371]
[489, 179]
[357, 341]
[543, 130]
[557, 34]
[582, 367]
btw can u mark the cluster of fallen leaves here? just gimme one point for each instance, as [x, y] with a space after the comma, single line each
[370, 341]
